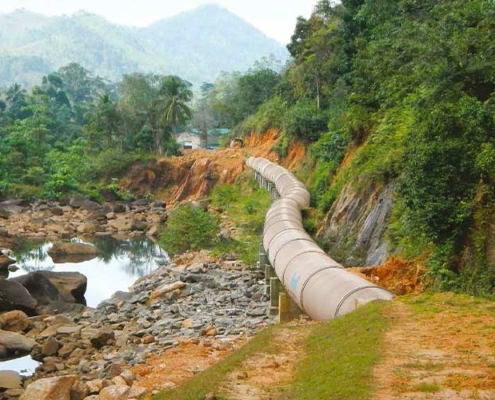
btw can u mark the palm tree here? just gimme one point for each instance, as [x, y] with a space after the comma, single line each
[16, 99]
[175, 93]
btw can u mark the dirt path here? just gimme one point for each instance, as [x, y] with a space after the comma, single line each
[447, 353]
[264, 375]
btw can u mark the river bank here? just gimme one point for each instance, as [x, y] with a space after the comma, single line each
[197, 303]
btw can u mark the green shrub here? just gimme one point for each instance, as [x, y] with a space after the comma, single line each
[189, 228]
[305, 121]
[225, 195]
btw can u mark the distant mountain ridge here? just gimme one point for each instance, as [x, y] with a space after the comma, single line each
[196, 45]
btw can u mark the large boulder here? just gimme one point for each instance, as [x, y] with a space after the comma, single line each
[72, 252]
[57, 388]
[14, 296]
[15, 343]
[55, 289]
[71, 285]
[39, 287]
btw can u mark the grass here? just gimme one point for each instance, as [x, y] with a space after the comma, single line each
[210, 380]
[245, 205]
[428, 387]
[340, 356]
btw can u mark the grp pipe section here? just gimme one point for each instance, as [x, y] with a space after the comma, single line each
[318, 284]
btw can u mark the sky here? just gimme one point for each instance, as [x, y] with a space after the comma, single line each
[276, 18]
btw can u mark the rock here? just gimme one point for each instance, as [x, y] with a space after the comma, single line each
[14, 321]
[87, 227]
[50, 347]
[118, 380]
[10, 380]
[14, 296]
[57, 388]
[224, 234]
[69, 248]
[138, 392]
[140, 203]
[6, 261]
[90, 205]
[128, 376]
[79, 391]
[59, 306]
[56, 210]
[147, 339]
[77, 201]
[39, 287]
[109, 195]
[71, 285]
[13, 393]
[92, 397]
[159, 204]
[102, 338]
[166, 288]
[115, 393]
[126, 225]
[99, 215]
[4, 214]
[56, 323]
[94, 386]
[15, 342]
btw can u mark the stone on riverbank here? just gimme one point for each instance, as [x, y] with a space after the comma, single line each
[14, 321]
[15, 342]
[14, 296]
[10, 380]
[57, 388]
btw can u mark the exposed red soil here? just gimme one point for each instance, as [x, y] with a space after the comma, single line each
[397, 275]
[192, 175]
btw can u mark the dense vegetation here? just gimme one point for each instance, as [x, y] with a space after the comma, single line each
[74, 131]
[196, 45]
[408, 88]
[405, 87]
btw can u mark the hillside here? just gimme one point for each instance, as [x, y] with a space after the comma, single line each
[197, 45]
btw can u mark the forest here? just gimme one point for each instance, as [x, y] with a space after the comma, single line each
[406, 88]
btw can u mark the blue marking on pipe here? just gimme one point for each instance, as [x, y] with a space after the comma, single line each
[294, 281]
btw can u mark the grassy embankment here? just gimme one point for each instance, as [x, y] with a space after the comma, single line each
[341, 356]
[338, 362]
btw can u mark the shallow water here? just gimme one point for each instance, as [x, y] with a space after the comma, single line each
[119, 265]
[23, 365]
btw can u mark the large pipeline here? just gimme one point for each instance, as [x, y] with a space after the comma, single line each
[320, 286]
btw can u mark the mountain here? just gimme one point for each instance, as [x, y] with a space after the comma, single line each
[196, 45]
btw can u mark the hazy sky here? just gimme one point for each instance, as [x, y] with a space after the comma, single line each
[276, 18]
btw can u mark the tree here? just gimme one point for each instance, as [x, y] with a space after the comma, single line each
[174, 94]
[103, 126]
[16, 101]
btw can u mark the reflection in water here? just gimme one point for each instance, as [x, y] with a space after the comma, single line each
[23, 365]
[120, 263]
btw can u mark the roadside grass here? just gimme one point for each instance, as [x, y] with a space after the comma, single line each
[340, 356]
[428, 387]
[210, 380]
